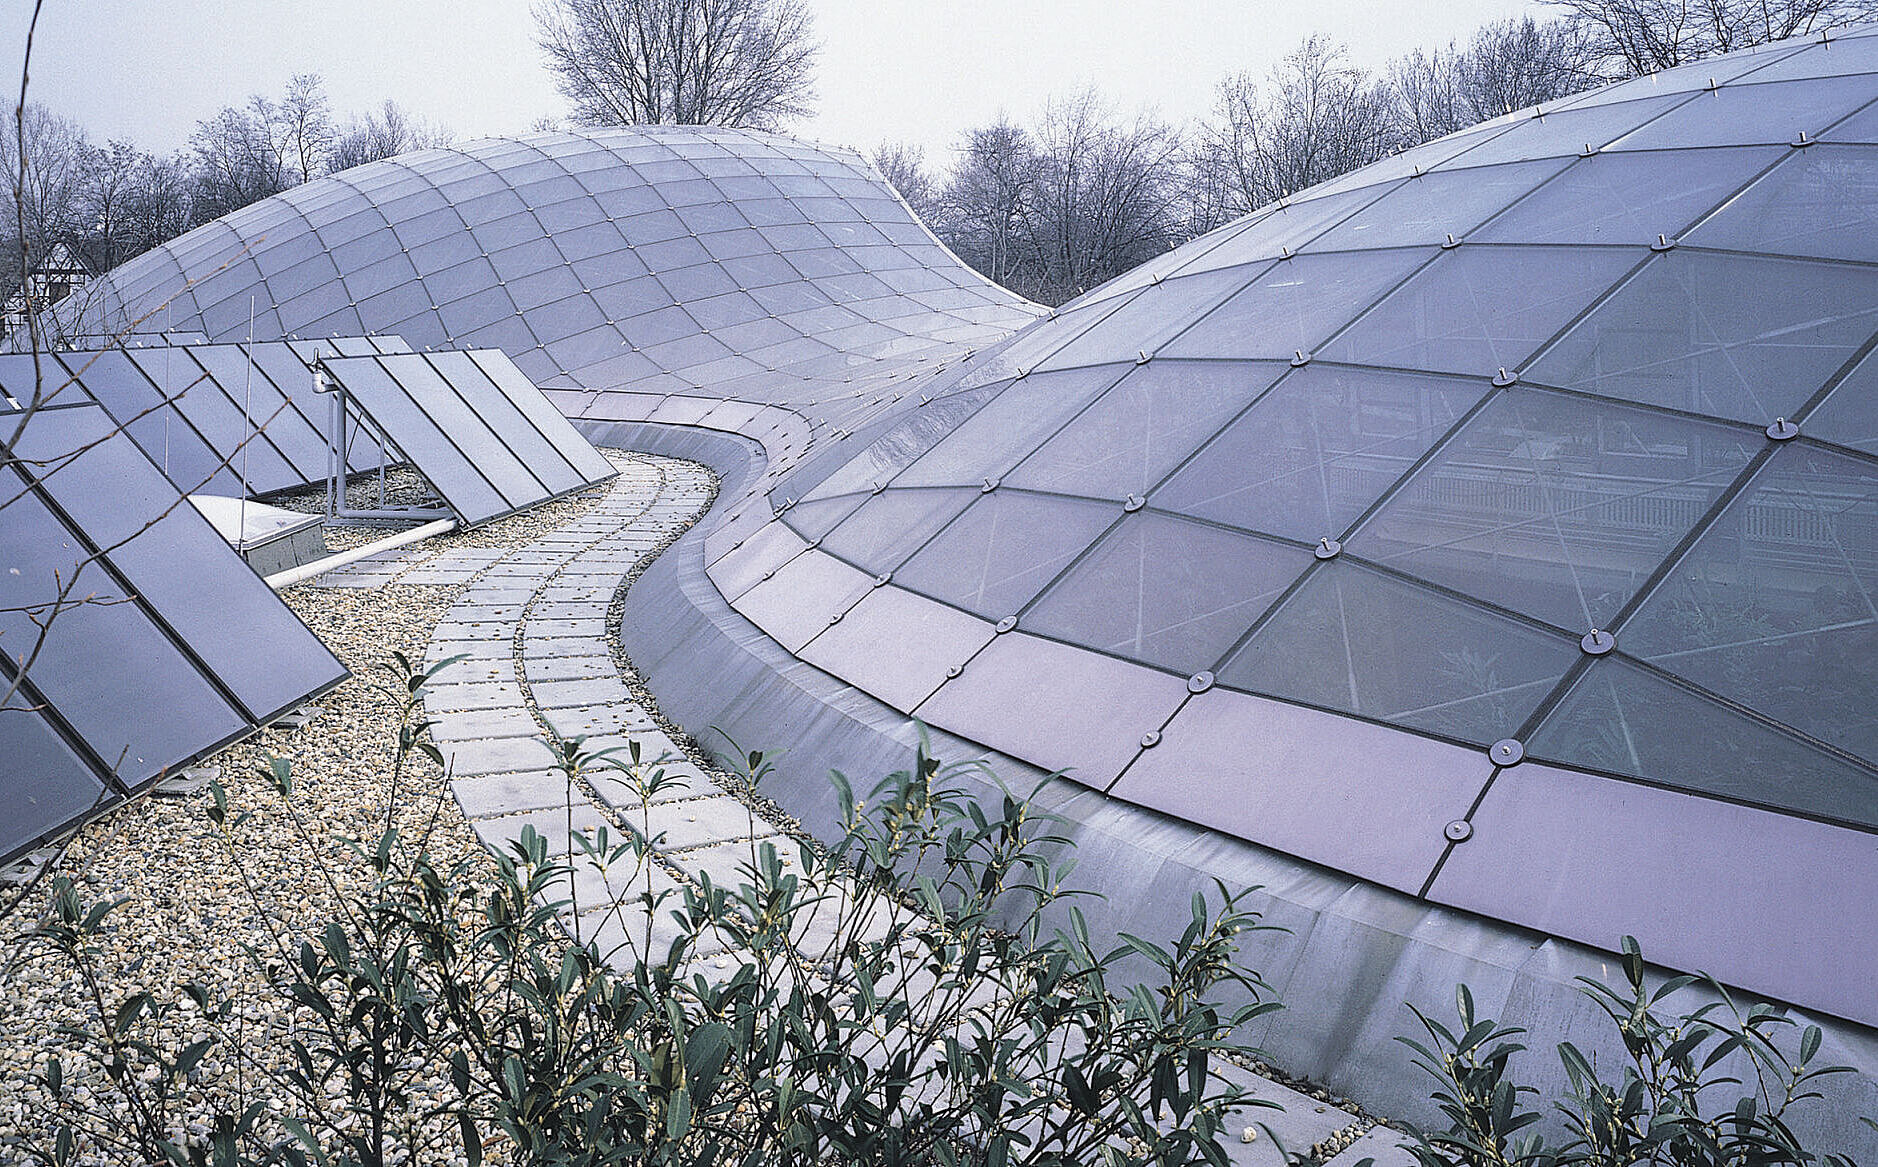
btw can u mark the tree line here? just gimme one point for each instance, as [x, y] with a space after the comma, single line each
[1082, 193]
[1049, 207]
[113, 201]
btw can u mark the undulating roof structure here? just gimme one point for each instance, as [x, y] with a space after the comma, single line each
[1477, 551]
[1471, 524]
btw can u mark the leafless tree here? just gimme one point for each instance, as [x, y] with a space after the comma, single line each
[1105, 194]
[385, 132]
[1317, 116]
[689, 62]
[44, 155]
[1507, 65]
[305, 122]
[1633, 37]
[987, 200]
[903, 165]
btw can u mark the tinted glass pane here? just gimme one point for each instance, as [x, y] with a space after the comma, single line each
[45, 785]
[1773, 607]
[1628, 198]
[1564, 134]
[111, 674]
[1363, 642]
[1136, 432]
[173, 559]
[997, 436]
[1478, 309]
[546, 419]
[885, 529]
[1296, 304]
[1003, 550]
[515, 429]
[393, 412]
[1622, 719]
[1167, 592]
[1822, 201]
[1321, 447]
[1744, 113]
[1731, 336]
[909, 437]
[1556, 507]
[1849, 415]
[1428, 208]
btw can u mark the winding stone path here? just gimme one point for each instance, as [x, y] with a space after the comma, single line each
[531, 629]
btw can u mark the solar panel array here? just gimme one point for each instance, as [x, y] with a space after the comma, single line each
[133, 640]
[474, 427]
[213, 417]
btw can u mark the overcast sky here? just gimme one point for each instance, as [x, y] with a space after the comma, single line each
[914, 70]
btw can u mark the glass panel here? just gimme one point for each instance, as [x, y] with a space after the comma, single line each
[460, 375]
[1428, 208]
[547, 420]
[1167, 591]
[1624, 720]
[220, 421]
[1556, 507]
[910, 436]
[1728, 335]
[1566, 133]
[1137, 431]
[416, 430]
[1003, 550]
[1744, 113]
[1628, 198]
[1311, 456]
[45, 785]
[1774, 607]
[997, 436]
[1822, 201]
[1478, 309]
[1150, 318]
[1363, 642]
[886, 528]
[130, 397]
[1849, 415]
[284, 426]
[110, 673]
[1295, 305]
[1860, 127]
[175, 561]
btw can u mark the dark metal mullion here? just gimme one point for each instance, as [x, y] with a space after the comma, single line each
[95, 553]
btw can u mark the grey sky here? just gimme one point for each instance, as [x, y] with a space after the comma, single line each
[919, 70]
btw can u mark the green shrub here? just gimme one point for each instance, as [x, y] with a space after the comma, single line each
[1674, 1100]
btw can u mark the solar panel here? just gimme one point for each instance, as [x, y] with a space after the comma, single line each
[133, 640]
[228, 419]
[474, 426]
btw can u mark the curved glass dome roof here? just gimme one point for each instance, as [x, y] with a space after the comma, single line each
[1559, 433]
[656, 259]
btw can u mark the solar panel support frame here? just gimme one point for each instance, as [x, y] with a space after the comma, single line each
[344, 422]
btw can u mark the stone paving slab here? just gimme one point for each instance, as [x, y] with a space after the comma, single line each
[596, 720]
[553, 824]
[471, 724]
[478, 695]
[475, 670]
[534, 647]
[569, 694]
[496, 755]
[474, 646]
[699, 821]
[568, 668]
[490, 795]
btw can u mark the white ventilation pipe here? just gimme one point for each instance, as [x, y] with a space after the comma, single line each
[306, 571]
